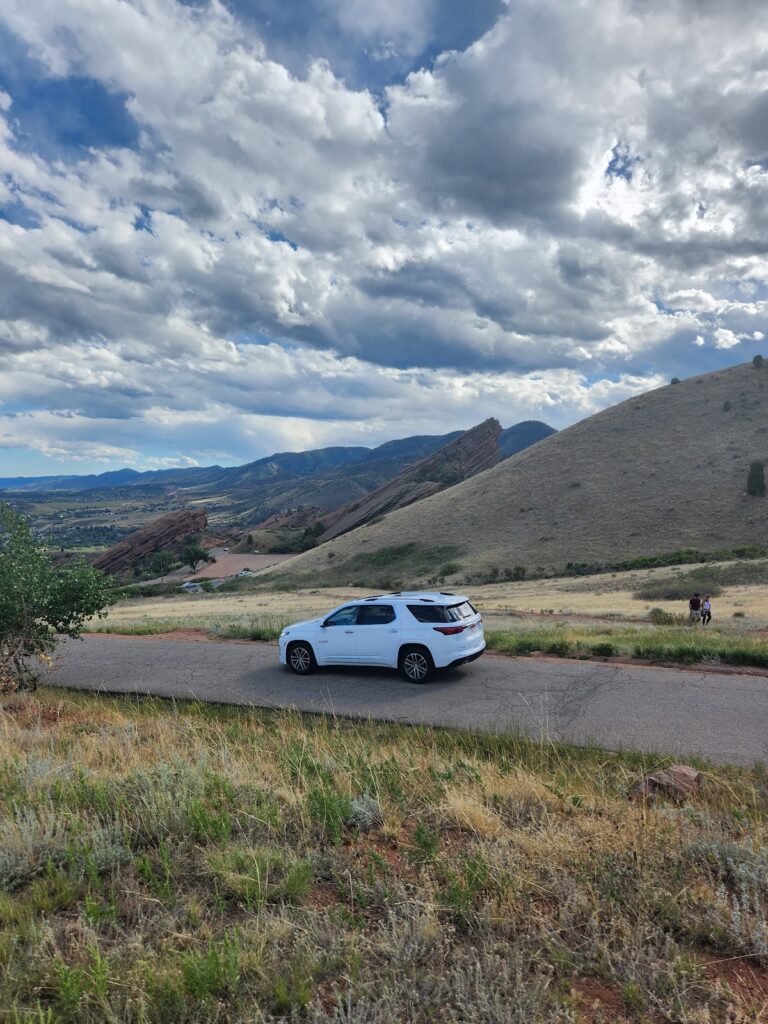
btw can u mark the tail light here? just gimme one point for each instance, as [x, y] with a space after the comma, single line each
[449, 630]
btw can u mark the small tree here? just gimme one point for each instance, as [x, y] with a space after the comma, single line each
[757, 361]
[756, 480]
[38, 601]
[193, 555]
[161, 562]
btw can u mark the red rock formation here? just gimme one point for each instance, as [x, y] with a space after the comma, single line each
[292, 518]
[145, 542]
[474, 451]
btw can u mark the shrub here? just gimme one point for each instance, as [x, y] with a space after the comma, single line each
[756, 480]
[603, 649]
[675, 380]
[39, 600]
[671, 589]
[449, 569]
[757, 361]
[659, 617]
[726, 406]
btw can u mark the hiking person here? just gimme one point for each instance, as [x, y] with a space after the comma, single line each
[706, 610]
[694, 609]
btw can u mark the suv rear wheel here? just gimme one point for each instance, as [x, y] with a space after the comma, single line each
[300, 659]
[416, 664]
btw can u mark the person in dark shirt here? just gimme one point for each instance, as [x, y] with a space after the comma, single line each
[694, 608]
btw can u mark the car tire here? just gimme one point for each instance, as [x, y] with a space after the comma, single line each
[416, 664]
[300, 658]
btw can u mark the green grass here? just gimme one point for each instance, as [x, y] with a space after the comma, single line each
[179, 863]
[147, 627]
[681, 645]
[256, 627]
[244, 627]
[138, 591]
[398, 567]
[685, 556]
[709, 579]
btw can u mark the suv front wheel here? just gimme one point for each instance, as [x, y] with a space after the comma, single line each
[416, 664]
[300, 659]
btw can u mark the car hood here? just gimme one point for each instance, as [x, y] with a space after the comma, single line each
[301, 625]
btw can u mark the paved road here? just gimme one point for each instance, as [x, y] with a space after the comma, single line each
[723, 717]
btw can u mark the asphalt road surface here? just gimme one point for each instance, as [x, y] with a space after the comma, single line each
[723, 717]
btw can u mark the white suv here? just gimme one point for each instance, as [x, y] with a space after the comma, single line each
[414, 632]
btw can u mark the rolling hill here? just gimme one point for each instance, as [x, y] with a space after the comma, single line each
[659, 472]
[468, 454]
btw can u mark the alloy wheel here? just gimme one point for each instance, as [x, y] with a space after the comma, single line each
[301, 659]
[415, 666]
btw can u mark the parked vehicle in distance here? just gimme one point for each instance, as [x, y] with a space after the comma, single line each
[245, 572]
[190, 587]
[414, 632]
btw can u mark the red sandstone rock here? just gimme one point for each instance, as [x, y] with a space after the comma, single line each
[678, 782]
[145, 542]
[474, 451]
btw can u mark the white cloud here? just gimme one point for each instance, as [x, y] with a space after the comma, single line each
[581, 187]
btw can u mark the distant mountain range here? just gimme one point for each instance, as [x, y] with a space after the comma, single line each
[325, 478]
[280, 503]
[279, 465]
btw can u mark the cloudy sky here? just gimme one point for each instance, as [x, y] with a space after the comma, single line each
[232, 229]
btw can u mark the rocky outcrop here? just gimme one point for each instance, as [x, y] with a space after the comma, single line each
[474, 451]
[292, 518]
[161, 533]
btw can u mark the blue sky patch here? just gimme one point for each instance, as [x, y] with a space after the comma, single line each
[61, 117]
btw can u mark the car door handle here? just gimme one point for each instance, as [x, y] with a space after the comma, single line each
[349, 631]
[393, 630]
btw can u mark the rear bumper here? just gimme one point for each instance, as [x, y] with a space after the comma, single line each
[467, 658]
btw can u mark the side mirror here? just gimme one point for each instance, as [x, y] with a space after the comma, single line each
[323, 624]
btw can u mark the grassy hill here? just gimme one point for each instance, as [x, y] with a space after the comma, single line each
[659, 472]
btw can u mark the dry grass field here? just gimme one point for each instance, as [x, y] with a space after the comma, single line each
[584, 617]
[179, 864]
[633, 480]
[602, 595]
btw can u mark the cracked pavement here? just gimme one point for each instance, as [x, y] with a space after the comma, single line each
[722, 717]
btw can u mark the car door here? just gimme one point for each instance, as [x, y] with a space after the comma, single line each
[336, 638]
[378, 634]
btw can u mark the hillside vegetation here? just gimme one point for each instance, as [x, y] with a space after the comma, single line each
[663, 471]
[178, 864]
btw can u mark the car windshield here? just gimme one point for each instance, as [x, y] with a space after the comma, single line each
[442, 613]
[343, 617]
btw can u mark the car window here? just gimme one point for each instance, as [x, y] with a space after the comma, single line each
[460, 611]
[441, 613]
[428, 612]
[343, 617]
[376, 614]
